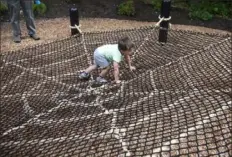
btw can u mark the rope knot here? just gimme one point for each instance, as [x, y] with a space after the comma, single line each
[163, 19]
[76, 27]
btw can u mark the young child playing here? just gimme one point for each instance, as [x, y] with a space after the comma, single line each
[105, 55]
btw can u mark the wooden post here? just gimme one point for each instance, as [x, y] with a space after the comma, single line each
[164, 13]
[74, 19]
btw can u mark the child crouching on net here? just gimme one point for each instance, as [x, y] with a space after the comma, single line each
[109, 54]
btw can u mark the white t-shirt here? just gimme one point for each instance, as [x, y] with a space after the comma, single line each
[110, 52]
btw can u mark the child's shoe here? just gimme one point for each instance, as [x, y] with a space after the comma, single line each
[84, 75]
[101, 80]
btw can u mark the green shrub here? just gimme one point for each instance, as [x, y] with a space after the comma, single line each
[200, 14]
[220, 9]
[156, 4]
[39, 9]
[206, 9]
[3, 8]
[182, 4]
[127, 8]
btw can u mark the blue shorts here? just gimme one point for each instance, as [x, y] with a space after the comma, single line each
[100, 60]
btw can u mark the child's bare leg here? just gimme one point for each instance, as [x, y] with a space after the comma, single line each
[104, 71]
[91, 68]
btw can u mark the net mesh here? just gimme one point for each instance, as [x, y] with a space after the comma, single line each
[177, 102]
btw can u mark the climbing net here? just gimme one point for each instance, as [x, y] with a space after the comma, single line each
[177, 102]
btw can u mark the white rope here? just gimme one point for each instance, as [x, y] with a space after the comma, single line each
[76, 27]
[163, 19]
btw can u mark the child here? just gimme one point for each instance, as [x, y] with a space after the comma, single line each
[107, 54]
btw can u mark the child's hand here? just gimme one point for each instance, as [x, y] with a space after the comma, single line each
[117, 82]
[132, 68]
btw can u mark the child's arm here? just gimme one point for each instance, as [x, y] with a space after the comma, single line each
[116, 72]
[128, 60]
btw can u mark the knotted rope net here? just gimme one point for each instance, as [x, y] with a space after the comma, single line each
[177, 102]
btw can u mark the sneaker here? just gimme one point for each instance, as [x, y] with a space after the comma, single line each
[84, 75]
[35, 37]
[17, 39]
[101, 80]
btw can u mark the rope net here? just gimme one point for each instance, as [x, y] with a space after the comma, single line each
[177, 102]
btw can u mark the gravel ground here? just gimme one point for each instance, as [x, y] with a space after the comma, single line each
[52, 29]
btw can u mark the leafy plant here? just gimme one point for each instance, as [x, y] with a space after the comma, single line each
[220, 9]
[3, 8]
[39, 8]
[127, 8]
[181, 4]
[206, 9]
[156, 4]
[200, 14]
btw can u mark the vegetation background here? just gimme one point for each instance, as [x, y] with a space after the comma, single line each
[52, 17]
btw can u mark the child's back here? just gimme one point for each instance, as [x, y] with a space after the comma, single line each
[110, 52]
